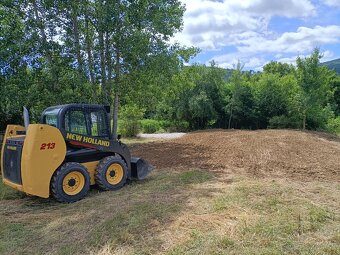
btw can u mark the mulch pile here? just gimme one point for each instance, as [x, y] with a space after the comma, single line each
[265, 153]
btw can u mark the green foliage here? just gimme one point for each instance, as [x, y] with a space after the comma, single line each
[281, 122]
[58, 52]
[150, 126]
[282, 96]
[175, 125]
[66, 51]
[270, 92]
[333, 125]
[314, 81]
[201, 110]
[196, 96]
[335, 101]
[278, 68]
[130, 124]
[240, 101]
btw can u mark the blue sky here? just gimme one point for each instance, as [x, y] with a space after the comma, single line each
[258, 31]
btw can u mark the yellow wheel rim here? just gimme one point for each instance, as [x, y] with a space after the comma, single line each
[73, 183]
[114, 174]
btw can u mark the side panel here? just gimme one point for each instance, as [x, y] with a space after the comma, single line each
[11, 131]
[43, 152]
[91, 168]
[12, 161]
[100, 144]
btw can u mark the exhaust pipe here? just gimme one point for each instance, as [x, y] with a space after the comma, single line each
[26, 118]
[140, 168]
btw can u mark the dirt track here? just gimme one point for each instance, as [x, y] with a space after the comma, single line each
[272, 153]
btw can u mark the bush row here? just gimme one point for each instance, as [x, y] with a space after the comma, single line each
[132, 127]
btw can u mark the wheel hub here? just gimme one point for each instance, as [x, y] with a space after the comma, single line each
[71, 182]
[114, 174]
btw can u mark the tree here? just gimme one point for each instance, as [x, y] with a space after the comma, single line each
[240, 102]
[314, 81]
[278, 68]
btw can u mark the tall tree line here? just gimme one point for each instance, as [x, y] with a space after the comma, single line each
[84, 51]
[304, 96]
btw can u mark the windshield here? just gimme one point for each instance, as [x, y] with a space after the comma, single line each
[51, 117]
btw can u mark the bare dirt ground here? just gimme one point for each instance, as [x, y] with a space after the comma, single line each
[267, 153]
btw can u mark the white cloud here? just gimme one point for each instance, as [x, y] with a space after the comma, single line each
[327, 55]
[229, 61]
[303, 40]
[256, 62]
[332, 2]
[255, 46]
[211, 24]
[244, 25]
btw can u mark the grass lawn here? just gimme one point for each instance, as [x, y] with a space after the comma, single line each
[178, 212]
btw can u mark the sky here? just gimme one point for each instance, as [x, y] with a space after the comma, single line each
[256, 32]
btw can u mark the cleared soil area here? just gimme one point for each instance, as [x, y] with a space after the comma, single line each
[212, 192]
[267, 153]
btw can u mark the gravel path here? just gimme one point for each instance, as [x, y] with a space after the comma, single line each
[162, 136]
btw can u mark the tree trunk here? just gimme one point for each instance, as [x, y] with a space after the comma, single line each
[45, 46]
[76, 37]
[102, 64]
[100, 28]
[230, 117]
[304, 120]
[116, 101]
[109, 74]
[89, 51]
[108, 64]
[115, 116]
[117, 74]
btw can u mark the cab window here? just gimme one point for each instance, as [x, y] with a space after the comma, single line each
[51, 120]
[98, 123]
[75, 122]
[50, 117]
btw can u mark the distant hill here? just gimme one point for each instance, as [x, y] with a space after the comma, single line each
[334, 64]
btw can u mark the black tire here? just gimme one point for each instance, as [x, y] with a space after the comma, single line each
[117, 177]
[70, 182]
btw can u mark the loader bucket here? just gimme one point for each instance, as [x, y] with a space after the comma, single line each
[140, 168]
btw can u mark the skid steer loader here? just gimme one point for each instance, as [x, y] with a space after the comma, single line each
[70, 150]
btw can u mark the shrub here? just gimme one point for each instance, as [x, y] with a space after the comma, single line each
[130, 120]
[283, 122]
[150, 126]
[175, 126]
[278, 122]
[333, 125]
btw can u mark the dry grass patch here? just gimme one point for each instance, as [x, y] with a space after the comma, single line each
[190, 212]
[116, 222]
[264, 217]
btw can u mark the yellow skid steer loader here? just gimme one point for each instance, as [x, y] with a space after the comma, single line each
[70, 150]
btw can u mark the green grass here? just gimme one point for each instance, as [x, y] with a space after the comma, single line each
[186, 212]
[35, 226]
[195, 177]
[272, 219]
[7, 193]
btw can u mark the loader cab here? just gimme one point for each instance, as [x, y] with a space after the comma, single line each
[84, 119]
